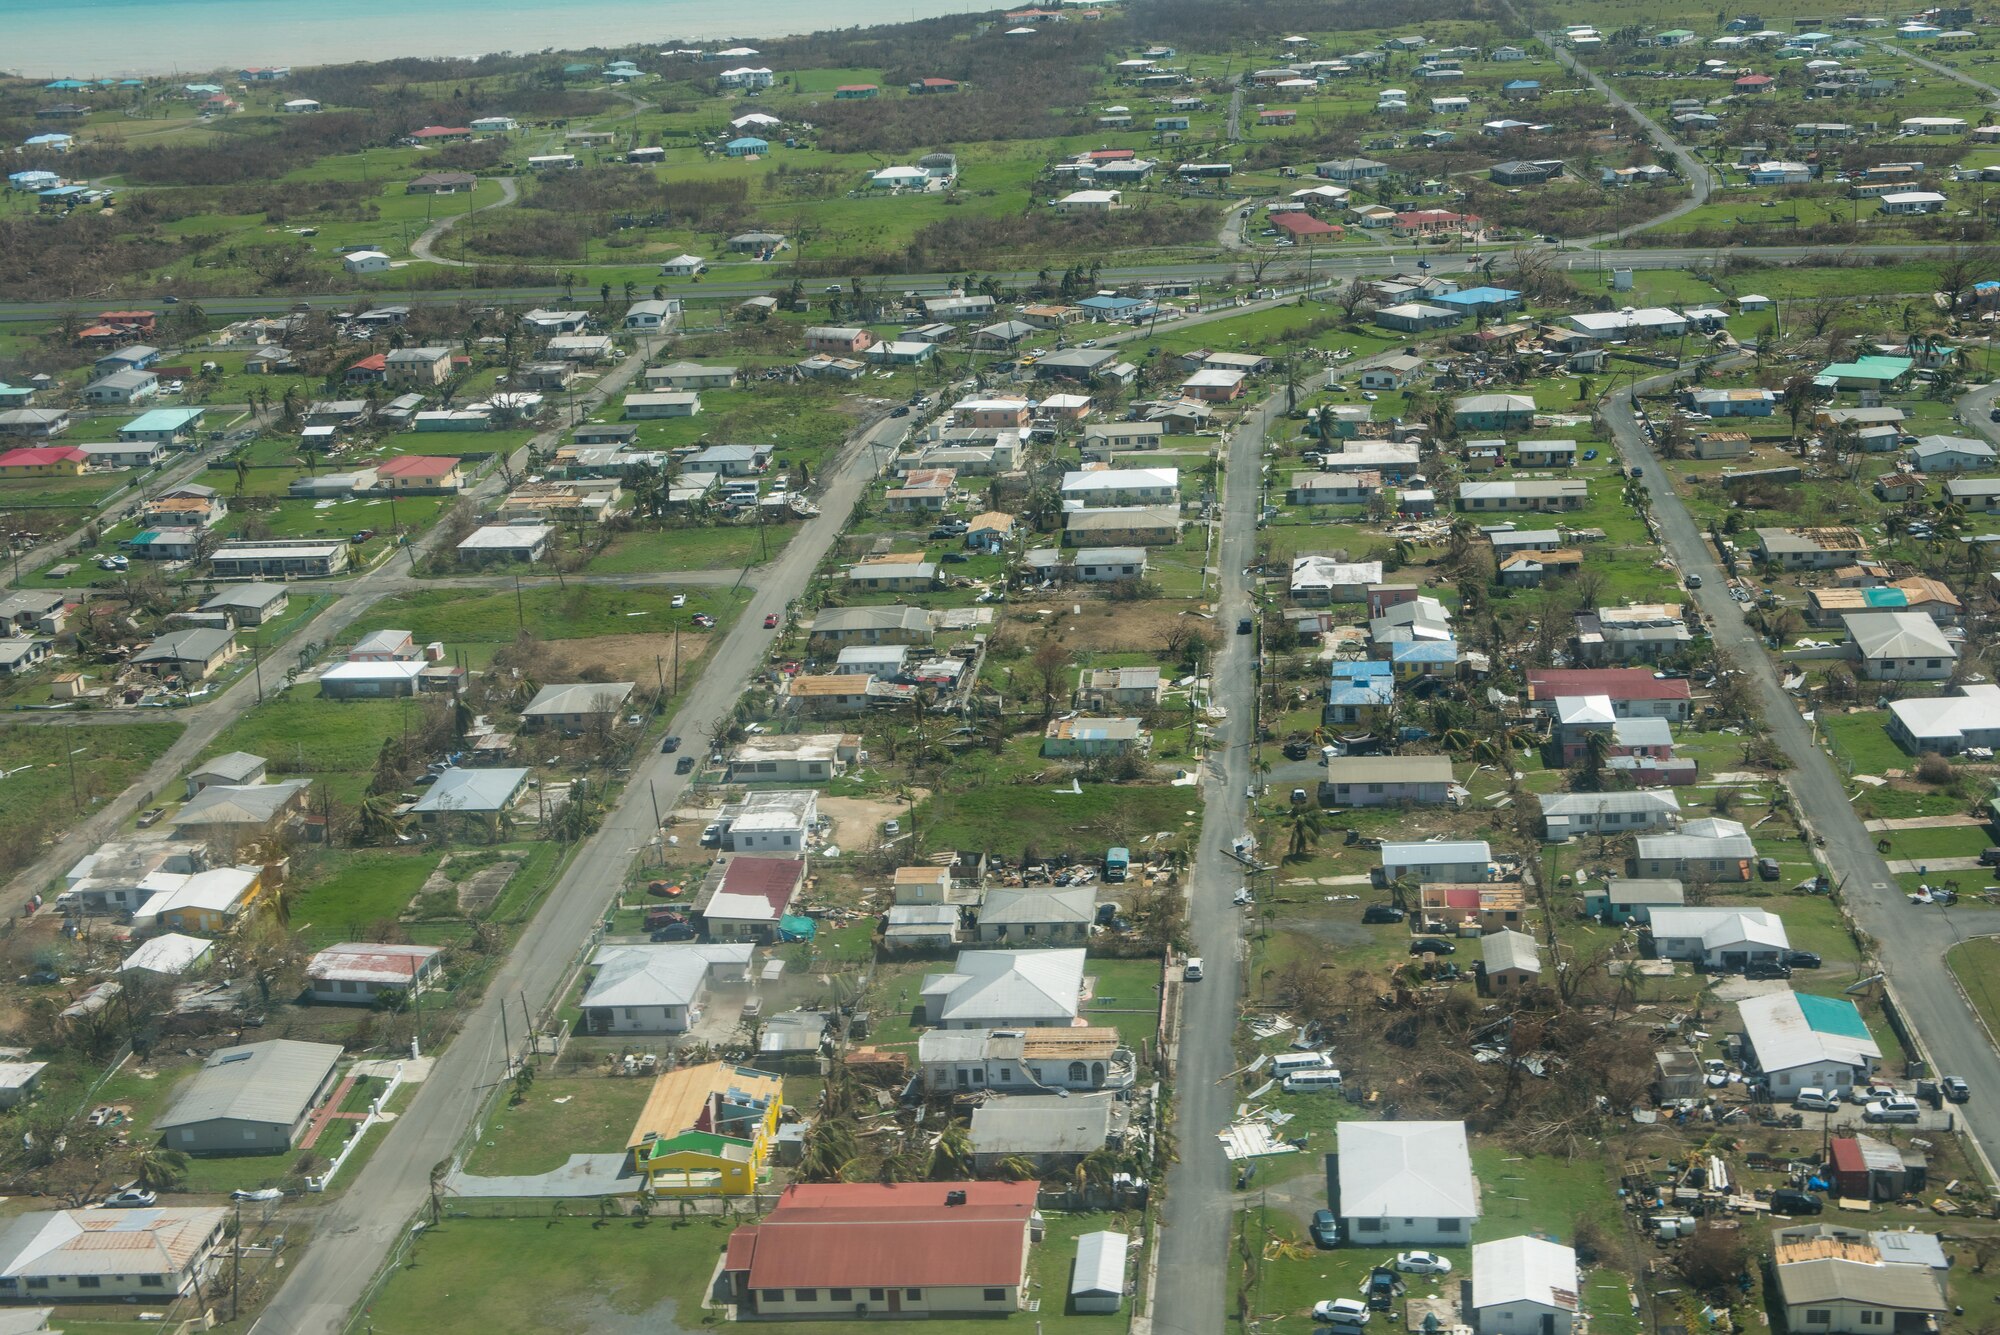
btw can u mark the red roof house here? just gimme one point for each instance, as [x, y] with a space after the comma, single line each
[751, 896]
[1755, 83]
[375, 368]
[909, 1249]
[55, 459]
[420, 472]
[1663, 697]
[432, 133]
[1303, 226]
[1111, 155]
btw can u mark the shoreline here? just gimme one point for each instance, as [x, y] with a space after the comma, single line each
[92, 39]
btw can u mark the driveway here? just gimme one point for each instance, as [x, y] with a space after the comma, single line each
[583, 1175]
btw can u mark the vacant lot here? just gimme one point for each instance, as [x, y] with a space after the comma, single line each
[51, 777]
[562, 1116]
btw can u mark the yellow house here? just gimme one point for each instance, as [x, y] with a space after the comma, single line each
[210, 902]
[707, 1130]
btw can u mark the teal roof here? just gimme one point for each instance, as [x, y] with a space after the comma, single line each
[1832, 1015]
[1870, 368]
[1886, 598]
[164, 419]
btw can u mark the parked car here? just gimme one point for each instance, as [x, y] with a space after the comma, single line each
[1348, 1312]
[1694, 581]
[678, 600]
[1243, 627]
[1384, 1288]
[770, 621]
[1192, 972]
[711, 835]
[1787, 1201]
[1989, 857]
[1902, 1108]
[1813, 1099]
[1325, 1229]
[1297, 750]
[1768, 869]
[1767, 969]
[132, 1198]
[1432, 945]
[1423, 1263]
[674, 931]
[1955, 1089]
[1380, 913]
[1866, 1094]
[1802, 959]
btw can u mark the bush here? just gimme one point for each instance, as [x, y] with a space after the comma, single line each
[1933, 768]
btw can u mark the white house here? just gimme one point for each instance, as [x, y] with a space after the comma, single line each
[1566, 814]
[1406, 1182]
[1719, 936]
[1900, 646]
[1524, 1286]
[1009, 989]
[1462, 860]
[365, 261]
[1801, 1041]
[657, 989]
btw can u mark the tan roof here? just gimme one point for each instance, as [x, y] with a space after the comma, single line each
[920, 875]
[678, 1097]
[1073, 1044]
[815, 684]
[993, 519]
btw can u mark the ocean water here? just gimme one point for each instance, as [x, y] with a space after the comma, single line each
[100, 38]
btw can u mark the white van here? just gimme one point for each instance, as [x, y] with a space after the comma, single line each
[1287, 1062]
[1308, 1082]
[1815, 1100]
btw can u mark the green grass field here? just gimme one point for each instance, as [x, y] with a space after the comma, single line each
[562, 1116]
[36, 797]
[464, 616]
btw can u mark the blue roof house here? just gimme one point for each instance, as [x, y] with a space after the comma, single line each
[746, 146]
[1481, 300]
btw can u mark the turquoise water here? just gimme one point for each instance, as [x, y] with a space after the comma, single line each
[98, 38]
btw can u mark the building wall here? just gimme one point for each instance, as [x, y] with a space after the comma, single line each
[636, 1019]
[1428, 1232]
[1835, 1077]
[1523, 1318]
[881, 1302]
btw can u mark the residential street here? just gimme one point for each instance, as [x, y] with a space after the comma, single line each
[357, 1230]
[1193, 1292]
[1909, 940]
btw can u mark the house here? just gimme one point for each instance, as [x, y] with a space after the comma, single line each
[1031, 1060]
[1950, 454]
[19, 655]
[576, 706]
[1567, 814]
[657, 989]
[191, 654]
[800, 758]
[417, 368]
[1874, 372]
[1948, 724]
[230, 816]
[163, 426]
[1352, 169]
[476, 795]
[1798, 1041]
[1406, 1182]
[1317, 580]
[37, 423]
[1719, 938]
[442, 183]
[1532, 494]
[1494, 412]
[146, 1256]
[43, 461]
[1714, 849]
[127, 386]
[768, 822]
[1370, 781]
[499, 544]
[359, 973]
[1836, 1290]
[989, 989]
[253, 1099]
[423, 474]
[364, 261]
[991, 531]
[1036, 917]
[1140, 526]
[707, 1130]
[1900, 646]
[1395, 372]
[1632, 901]
[652, 315]
[233, 768]
[1518, 173]
[1642, 632]
[20, 1081]
[1119, 688]
[1465, 861]
[1054, 1132]
[1122, 486]
[279, 557]
[1810, 548]
[904, 575]
[846, 340]
[1509, 960]
[745, 898]
[1080, 737]
[912, 1249]
[1524, 1285]
[645, 407]
[1416, 317]
[872, 625]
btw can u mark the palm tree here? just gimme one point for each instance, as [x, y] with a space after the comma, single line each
[1014, 1168]
[1596, 750]
[951, 1157]
[1305, 826]
[158, 1168]
[379, 819]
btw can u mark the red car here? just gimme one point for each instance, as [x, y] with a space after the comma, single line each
[770, 621]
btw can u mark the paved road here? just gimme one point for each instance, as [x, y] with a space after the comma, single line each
[1957, 76]
[1909, 940]
[357, 1230]
[422, 247]
[1192, 1295]
[1385, 260]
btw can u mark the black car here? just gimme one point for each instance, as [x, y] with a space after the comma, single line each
[1243, 627]
[1767, 969]
[1325, 1229]
[670, 745]
[1297, 750]
[1802, 959]
[684, 765]
[675, 931]
[1381, 913]
[1432, 945]
[956, 558]
[1787, 1201]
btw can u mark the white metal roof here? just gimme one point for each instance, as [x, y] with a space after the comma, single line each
[1406, 1169]
[1524, 1270]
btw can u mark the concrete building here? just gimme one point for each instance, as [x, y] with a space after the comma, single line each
[1406, 1183]
[253, 1099]
[358, 973]
[1524, 1286]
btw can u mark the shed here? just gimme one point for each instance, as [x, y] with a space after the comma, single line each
[1098, 1283]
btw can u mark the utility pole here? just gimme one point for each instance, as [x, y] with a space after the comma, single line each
[506, 1046]
[236, 1264]
[257, 664]
[677, 657]
[527, 1023]
[660, 673]
[520, 617]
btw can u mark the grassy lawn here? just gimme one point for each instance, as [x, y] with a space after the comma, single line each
[351, 889]
[562, 1116]
[460, 616]
[1008, 817]
[1863, 742]
[36, 800]
[645, 551]
[1127, 995]
[344, 734]
[1976, 965]
[572, 1275]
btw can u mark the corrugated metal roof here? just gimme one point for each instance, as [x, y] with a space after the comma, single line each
[271, 1082]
